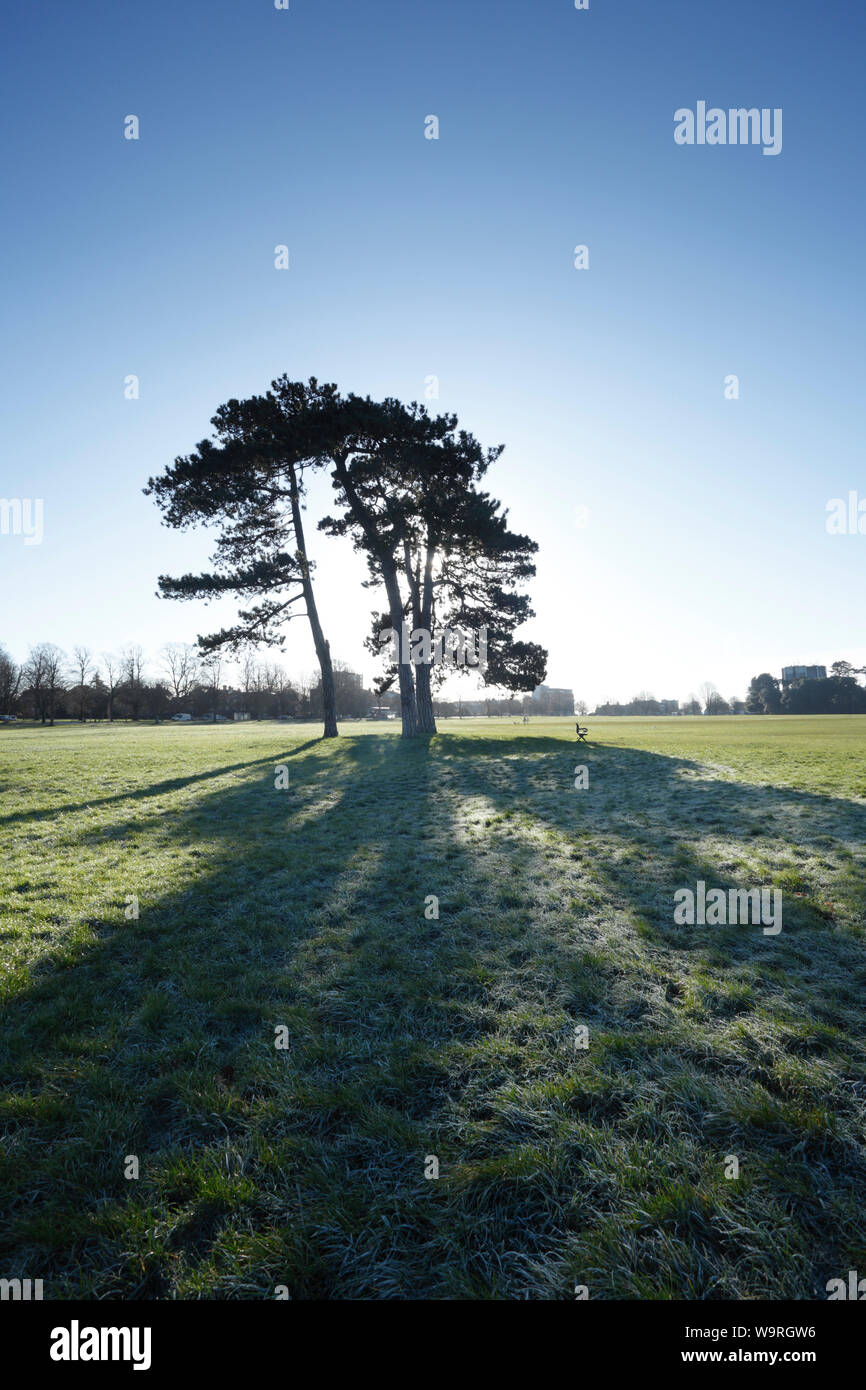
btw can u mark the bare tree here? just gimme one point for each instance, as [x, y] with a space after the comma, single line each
[55, 659]
[708, 693]
[10, 682]
[113, 669]
[132, 666]
[287, 696]
[43, 678]
[180, 662]
[248, 673]
[211, 670]
[33, 680]
[83, 668]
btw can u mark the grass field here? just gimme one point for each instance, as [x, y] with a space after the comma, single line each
[304, 1167]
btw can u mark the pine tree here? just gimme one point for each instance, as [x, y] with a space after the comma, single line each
[251, 482]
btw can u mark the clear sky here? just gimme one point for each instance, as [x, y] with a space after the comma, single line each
[704, 554]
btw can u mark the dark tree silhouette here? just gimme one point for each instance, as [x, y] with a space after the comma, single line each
[251, 483]
[407, 482]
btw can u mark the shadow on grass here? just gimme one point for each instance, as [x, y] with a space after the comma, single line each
[412, 1036]
[171, 784]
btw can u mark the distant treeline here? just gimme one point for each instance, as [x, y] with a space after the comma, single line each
[838, 693]
[50, 685]
[711, 702]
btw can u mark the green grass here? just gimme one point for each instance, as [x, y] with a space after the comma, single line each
[411, 1037]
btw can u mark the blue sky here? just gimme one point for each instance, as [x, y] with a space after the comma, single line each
[705, 555]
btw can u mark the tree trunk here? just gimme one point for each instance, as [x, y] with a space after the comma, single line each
[388, 570]
[423, 671]
[323, 649]
[408, 709]
[329, 702]
[426, 720]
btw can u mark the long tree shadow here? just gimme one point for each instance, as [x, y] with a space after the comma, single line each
[154, 789]
[427, 927]
[777, 1019]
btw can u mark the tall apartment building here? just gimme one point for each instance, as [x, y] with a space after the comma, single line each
[803, 673]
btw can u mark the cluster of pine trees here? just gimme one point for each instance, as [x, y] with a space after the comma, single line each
[408, 495]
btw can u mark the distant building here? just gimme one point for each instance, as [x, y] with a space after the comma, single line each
[550, 699]
[240, 714]
[803, 673]
[669, 706]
